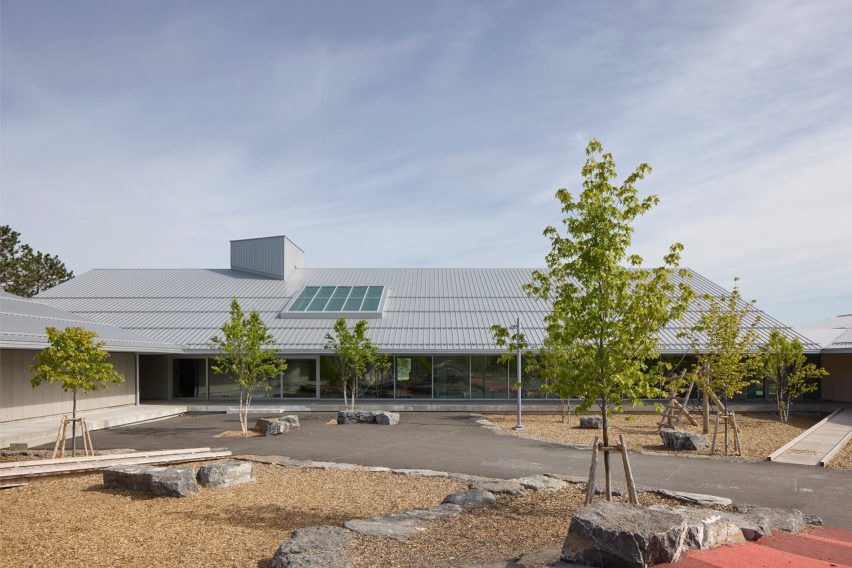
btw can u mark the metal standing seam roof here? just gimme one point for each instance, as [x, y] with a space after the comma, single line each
[23, 322]
[426, 309]
[833, 334]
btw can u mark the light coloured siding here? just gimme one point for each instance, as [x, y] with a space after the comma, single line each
[19, 400]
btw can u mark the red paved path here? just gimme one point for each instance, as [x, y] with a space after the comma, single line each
[821, 547]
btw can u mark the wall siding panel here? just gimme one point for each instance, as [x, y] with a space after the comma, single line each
[19, 400]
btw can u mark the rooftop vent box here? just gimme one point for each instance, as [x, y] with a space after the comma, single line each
[275, 257]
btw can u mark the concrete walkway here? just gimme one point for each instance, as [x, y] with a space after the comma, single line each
[813, 446]
[454, 442]
[37, 431]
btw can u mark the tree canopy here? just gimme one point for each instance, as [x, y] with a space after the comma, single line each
[607, 310]
[24, 271]
[785, 366]
[355, 355]
[75, 360]
[245, 356]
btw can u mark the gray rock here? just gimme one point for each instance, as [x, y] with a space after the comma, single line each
[623, 535]
[695, 498]
[543, 483]
[386, 418]
[436, 512]
[347, 417]
[379, 469]
[767, 519]
[225, 474]
[163, 481]
[365, 417]
[421, 472]
[292, 421]
[471, 499]
[271, 426]
[707, 528]
[511, 487]
[399, 528]
[471, 478]
[314, 547]
[595, 422]
[568, 478]
[683, 440]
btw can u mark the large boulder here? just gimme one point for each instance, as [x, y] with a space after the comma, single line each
[399, 528]
[225, 474]
[314, 547]
[707, 528]
[764, 520]
[683, 440]
[386, 418]
[511, 487]
[347, 417]
[595, 422]
[162, 481]
[292, 421]
[471, 499]
[543, 483]
[620, 535]
[272, 426]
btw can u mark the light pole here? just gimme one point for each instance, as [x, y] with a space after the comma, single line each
[517, 326]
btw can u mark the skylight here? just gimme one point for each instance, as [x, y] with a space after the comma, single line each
[339, 299]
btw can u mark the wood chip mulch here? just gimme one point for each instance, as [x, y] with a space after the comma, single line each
[514, 528]
[843, 458]
[74, 521]
[762, 432]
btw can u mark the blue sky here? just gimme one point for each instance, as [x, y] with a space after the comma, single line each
[145, 134]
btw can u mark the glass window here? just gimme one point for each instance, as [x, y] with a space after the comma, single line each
[377, 384]
[353, 304]
[372, 299]
[300, 379]
[531, 382]
[330, 385]
[488, 379]
[188, 379]
[338, 299]
[413, 376]
[321, 299]
[304, 299]
[452, 376]
[222, 386]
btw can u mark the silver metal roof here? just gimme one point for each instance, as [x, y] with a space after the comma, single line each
[426, 309]
[833, 334]
[23, 323]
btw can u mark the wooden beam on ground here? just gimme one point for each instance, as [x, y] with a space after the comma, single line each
[103, 457]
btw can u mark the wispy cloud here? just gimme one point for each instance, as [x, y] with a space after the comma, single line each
[432, 135]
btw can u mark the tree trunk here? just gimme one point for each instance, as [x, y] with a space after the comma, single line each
[73, 423]
[705, 411]
[605, 427]
[562, 408]
[345, 400]
[242, 412]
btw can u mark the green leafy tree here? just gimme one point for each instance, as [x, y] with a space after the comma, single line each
[355, 356]
[75, 360]
[606, 310]
[24, 271]
[245, 356]
[786, 368]
[553, 363]
[725, 342]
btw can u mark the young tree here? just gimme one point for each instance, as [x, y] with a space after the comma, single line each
[606, 310]
[26, 272]
[553, 363]
[786, 367]
[245, 356]
[75, 360]
[355, 356]
[724, 340]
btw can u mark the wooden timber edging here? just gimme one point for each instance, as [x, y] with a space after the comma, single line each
[801, 436]
[18, 473]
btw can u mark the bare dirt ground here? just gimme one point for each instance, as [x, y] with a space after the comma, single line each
[514, 528]
[74, 521]
[762, 432]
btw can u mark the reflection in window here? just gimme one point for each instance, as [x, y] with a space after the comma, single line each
[452, 376]
[300, 379]
[330, 385]
[413, 376]
[489, 379]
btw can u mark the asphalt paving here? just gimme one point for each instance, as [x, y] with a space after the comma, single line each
[455, 442]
